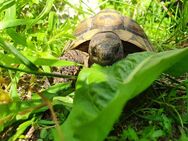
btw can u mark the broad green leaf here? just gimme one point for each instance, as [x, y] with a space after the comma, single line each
[179, 68]
[102, 92]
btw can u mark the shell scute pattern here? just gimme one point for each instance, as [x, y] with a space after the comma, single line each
[128, 31]
[111, 20]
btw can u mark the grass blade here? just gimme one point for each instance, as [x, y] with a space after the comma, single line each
[14, 23]
[6, 4]
[17, 54]
[45, 11]
[16, 37]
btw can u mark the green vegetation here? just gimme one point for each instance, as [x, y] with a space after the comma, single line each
[142, 97]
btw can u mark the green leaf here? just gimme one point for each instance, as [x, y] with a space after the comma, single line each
[43, 133]
[57, 89]
[9, 60]
[16, 37]
[53, 62]
[179, 68]
[130, 134]
[183, 136]
[151, 133]
[14, 23]
[102, 92]
[10, 13]
[22, 127]
[17, 54]
[17, 110]
[45, 11]
[66, 101]
[6, 4]
[45, 122]
[51, 21]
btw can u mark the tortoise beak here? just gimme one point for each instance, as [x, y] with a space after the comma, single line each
[100, 61]
[106, 55]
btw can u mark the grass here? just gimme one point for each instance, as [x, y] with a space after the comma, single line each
[155, 115]
[41, 29]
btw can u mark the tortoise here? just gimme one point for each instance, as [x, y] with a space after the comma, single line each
[108, 36]
[104, 39]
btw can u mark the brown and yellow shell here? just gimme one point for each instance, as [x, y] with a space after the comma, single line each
[110, 20]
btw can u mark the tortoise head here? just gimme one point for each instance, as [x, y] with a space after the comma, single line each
[105, 48]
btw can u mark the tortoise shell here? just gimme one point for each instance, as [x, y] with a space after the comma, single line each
[110, 20]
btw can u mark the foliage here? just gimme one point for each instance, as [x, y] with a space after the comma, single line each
[102, 92]
[33, 36]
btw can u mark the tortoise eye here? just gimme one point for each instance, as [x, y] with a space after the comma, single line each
[94, 52]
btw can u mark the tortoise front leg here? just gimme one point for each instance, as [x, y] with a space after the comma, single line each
[71, 55]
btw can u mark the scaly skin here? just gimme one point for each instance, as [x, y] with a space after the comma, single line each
[71, 55]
